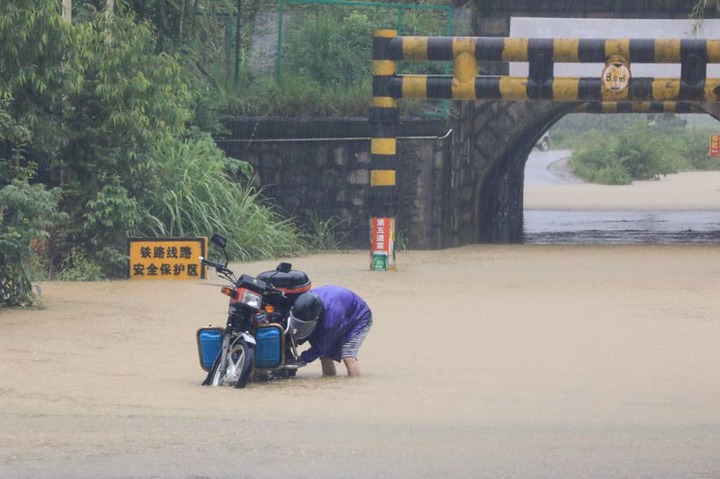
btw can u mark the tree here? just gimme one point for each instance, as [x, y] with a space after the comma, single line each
[91, 109]
[33, 79]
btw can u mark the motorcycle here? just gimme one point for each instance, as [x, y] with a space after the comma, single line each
[256, 342]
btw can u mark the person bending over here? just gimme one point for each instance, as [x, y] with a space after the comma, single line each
[335, 321]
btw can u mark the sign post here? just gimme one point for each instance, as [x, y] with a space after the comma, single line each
[382, 254]
[715, 144]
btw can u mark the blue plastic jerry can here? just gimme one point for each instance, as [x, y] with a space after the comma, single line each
[209, 345]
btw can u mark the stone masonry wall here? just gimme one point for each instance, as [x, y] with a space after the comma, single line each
[310, 176]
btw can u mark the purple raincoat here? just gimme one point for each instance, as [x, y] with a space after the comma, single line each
[345, 315]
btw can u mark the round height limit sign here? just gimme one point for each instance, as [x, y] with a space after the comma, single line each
[616, 75]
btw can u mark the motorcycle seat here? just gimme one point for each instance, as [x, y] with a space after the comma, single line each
[294, 281]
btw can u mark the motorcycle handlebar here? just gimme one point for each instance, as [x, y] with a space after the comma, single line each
[222, 269]
[213, 264]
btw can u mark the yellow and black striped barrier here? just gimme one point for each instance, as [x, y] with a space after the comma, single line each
[613, 91]
[541, 54]
[384, 120]
[559, 50]
[558, 89]
[638, 107]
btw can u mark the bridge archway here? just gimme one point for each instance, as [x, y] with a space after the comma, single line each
[679, 209]
[504, 147]
[499, 153]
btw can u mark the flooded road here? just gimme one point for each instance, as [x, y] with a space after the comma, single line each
[649, 222]
[487, 361]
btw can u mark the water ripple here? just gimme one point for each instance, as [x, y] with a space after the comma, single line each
[621, 227]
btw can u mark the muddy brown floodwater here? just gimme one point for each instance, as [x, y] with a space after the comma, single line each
[485, 361]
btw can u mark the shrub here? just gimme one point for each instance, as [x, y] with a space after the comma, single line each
[325, 235]
[695, 149]
[639, 152]
[26, 215]
[76, 267]
[646, 154]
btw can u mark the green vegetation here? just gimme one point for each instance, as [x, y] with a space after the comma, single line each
[704, 7]
[103, 136]
[325, 68]
[197, 192]
[26, 214]
[105, 126]
[613, 149]
[325, 235]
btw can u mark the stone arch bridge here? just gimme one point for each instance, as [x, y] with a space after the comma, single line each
[495, 134]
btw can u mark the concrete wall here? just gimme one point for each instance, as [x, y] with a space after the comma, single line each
[322, 167]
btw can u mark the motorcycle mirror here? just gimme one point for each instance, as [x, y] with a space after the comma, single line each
[219, 240]
[283, 267]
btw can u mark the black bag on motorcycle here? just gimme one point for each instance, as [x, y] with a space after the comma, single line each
[293, 284]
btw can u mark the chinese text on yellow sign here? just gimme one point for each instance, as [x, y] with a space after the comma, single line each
[167, 258]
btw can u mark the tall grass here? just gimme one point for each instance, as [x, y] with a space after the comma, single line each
[200, 193]
[325, 235]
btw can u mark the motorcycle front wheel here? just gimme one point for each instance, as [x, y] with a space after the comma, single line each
[236, 369]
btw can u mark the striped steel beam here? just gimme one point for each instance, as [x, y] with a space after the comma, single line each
[570, 89]
[383, 113]
[563, 50]
[639, 107]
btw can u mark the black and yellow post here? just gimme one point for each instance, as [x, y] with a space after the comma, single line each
[384, 119]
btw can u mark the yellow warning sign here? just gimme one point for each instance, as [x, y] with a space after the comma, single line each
[166, 258]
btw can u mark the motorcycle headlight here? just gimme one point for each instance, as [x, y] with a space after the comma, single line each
[252, 299]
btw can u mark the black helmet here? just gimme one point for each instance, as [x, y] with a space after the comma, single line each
[305, 314]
